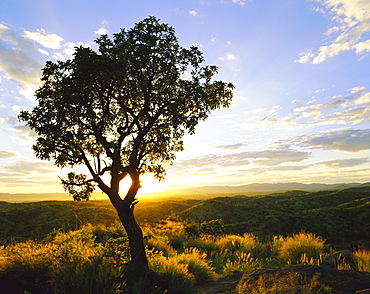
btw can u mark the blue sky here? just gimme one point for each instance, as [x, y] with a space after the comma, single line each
[301, 71]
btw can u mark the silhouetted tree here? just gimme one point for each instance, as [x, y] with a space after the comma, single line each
[122, 112]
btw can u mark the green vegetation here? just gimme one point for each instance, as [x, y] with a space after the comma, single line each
[339, 216]
[92, 259]
[81, 247]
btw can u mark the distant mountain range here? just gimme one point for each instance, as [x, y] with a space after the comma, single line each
[195, 192]
[261, 187]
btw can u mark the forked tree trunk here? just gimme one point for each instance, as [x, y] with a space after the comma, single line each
[125, 210]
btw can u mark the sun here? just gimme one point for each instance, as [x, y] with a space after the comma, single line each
[148, 184]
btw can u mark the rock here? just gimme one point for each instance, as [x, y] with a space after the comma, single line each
[341, 260]
[303, 279]
[225, 285]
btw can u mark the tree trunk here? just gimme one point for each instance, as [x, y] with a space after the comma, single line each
[125, 210]
[135, 236]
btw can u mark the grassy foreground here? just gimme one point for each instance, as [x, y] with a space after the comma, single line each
[186, 254]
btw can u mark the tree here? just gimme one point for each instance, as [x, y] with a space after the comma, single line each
[122, 112]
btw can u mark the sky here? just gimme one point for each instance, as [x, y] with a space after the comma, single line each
[301, 104]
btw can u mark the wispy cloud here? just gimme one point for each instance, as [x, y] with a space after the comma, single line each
[348, 140]
[350, 31]
[7, 154]
[17, 57]
[233, 146]
[241, 2]
[340, 110]
[229, 57]
[264, 158]
[193, 12]
[27, 168]
[344, 163]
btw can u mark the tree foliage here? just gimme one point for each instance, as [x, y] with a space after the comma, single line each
[124, 109]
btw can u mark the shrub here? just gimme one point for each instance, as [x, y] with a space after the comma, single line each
[302, 245]
[213, 227]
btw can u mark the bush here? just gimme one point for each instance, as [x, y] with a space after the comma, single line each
[301, 247]
[213, 227]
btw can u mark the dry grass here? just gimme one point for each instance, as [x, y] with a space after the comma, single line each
[363, 259]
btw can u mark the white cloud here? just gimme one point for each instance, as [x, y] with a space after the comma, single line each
[350, 31]
[240, 2]
[228, 57]
[357, 89]
[101, 31]
[67, 50]
[193, 12]
[305, 56]
[47, 40]
[363, 99]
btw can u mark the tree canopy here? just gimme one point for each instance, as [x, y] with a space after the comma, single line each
[125, 108]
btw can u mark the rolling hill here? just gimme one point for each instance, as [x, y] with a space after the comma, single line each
[340, 216]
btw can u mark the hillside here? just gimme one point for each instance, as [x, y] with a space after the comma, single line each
[339, 216]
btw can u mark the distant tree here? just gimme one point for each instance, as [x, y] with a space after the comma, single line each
[122, 112]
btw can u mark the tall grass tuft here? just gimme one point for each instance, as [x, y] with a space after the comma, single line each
[203, 244]
[197, 264]
[240, 263]
[363, 259]
[177, 274]
[248, 243]
[300, 247]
